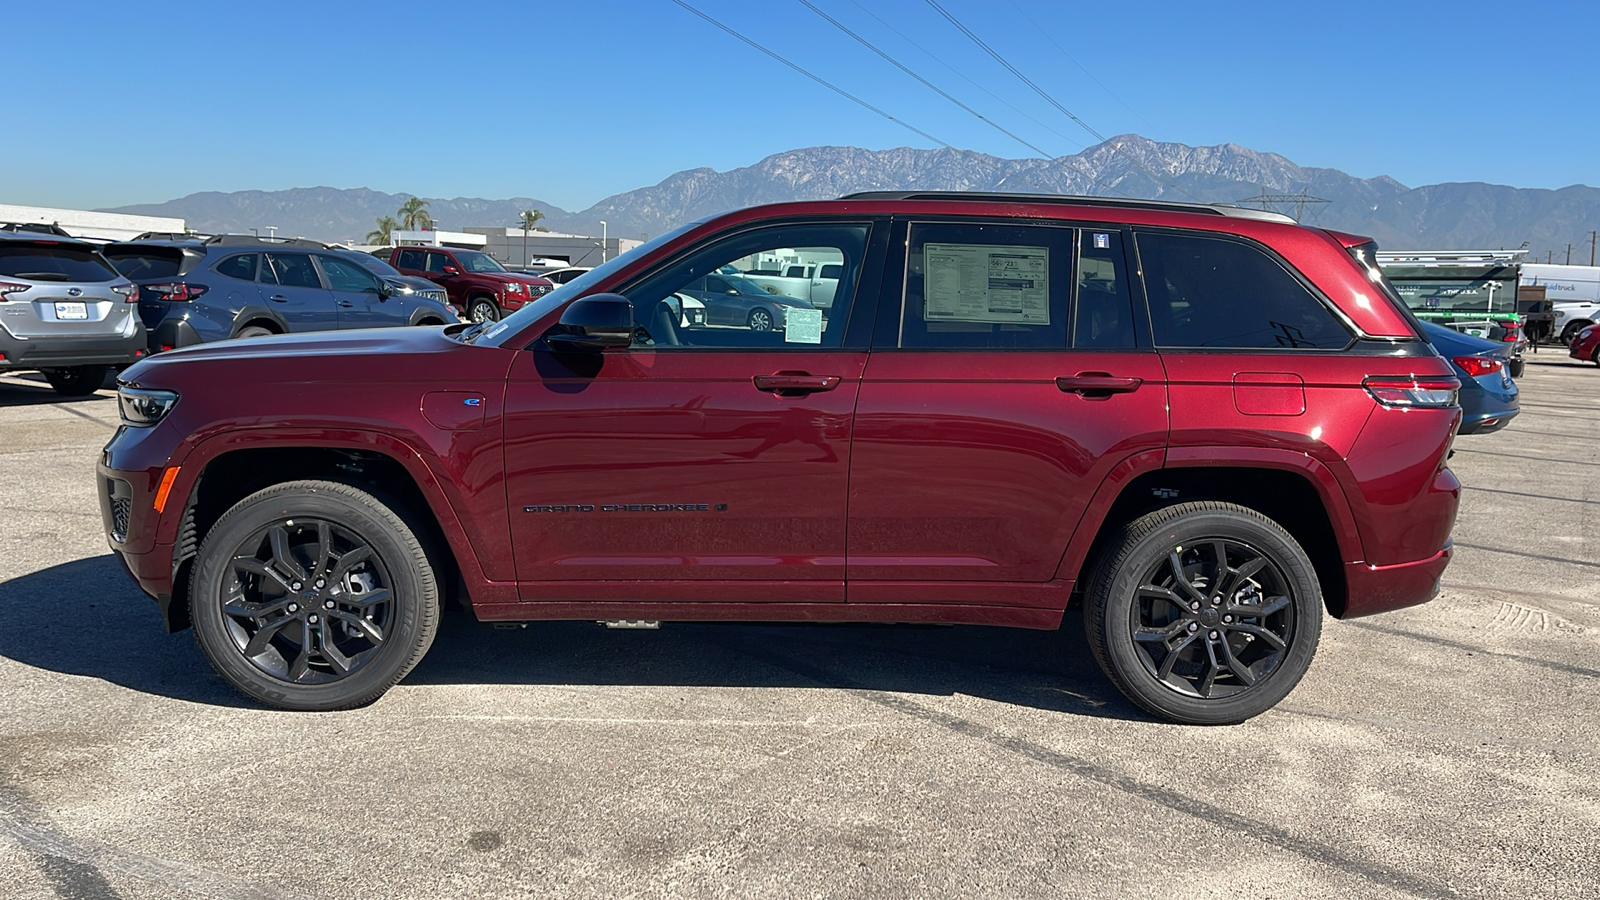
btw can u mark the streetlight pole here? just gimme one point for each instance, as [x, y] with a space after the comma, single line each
[602, 240]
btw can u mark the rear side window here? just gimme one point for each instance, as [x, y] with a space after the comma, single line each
[47, 263]
[1216, 293]
[242, 267]
[146, 263]
[981, 287]
[293, 270]
[1104, 315]
[410, 259]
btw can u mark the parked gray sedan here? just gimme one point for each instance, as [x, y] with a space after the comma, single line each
[65, 312]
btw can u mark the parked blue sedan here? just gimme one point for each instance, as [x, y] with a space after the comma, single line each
[1488, 395]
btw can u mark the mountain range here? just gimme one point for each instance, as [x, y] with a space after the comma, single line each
[1440, 216]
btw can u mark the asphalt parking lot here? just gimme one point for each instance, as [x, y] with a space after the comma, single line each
[1448, 750]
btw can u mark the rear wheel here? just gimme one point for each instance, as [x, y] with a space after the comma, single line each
[313, 595]
[1516, 367]
[484, 310]
[77, 381]
[252, 331]
[1204, 613]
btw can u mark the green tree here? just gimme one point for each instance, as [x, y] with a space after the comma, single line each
[414, 215]
[384, 233]
[530, 220]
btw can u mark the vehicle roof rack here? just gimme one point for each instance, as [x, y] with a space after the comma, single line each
[169, 236]
[247, 240]
[1213, 209]
[35, 228]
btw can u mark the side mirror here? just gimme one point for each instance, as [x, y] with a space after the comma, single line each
[593, 323]
[451, 270]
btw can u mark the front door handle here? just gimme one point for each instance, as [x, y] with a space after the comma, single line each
[792, 384]
[1098, 384]
[346, 304]
[278, 298]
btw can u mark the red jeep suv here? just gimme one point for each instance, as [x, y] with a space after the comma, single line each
[478, 286]
[1207, 425]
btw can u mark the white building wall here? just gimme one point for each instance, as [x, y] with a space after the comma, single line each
[90, 224]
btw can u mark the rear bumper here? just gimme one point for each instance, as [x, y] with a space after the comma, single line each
[1487, 422]
[61, 353]
[1370, 590]
[172, 334]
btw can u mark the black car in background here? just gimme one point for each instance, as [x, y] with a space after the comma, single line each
[192, 291]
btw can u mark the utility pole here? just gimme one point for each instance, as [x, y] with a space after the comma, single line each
[1569, 254]
[1592, 236]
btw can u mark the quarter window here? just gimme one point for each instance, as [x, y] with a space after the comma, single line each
[1216, 293]
[242, 267]
[716, 298]
[973, 286]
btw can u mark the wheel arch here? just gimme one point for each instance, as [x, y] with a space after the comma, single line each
[226, 471]
[258, 315]
[1292, 489]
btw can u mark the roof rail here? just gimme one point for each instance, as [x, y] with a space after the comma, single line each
[35, 228]
[1213, 209]
[246, 240]
[169, 236]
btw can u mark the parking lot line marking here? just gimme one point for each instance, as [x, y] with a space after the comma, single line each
[1514, 592]
[1543, 459]
[1557, 559]
[1082, 768]
[1482, 651]
[1468, 487]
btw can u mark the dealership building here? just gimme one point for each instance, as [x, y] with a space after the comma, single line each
[90, 224]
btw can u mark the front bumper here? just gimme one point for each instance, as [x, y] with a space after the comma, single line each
[62, 353]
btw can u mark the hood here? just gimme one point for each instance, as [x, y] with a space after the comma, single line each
[508, 277]
[412, 282]
[342, 351]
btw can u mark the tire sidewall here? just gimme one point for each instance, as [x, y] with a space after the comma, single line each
[1115, 599]
[411, 590]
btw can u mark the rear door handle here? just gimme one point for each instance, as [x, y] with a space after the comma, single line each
[1098, 384]
[795, 383]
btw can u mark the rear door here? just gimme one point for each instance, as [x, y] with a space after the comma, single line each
[293, 289]
[1008, 377]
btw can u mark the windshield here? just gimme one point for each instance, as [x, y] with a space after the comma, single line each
[577, 287]
[375, 265]
[475, 261]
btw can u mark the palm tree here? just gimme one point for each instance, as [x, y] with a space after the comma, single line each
[384, 233]
[530, 218]
[413, 216]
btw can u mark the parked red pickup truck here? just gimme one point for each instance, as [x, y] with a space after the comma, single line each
[481, 288]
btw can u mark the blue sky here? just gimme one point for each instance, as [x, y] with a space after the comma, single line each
[110, 103]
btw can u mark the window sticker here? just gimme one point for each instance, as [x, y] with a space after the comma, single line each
[1102, 242]
[802, 326]
[991, 283]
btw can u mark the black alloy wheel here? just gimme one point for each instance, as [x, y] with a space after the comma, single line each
[484, 310]
[760, 320]
[1205, 613]
[77, 381]
[314, 596]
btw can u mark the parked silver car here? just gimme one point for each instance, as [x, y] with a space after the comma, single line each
[65, 312]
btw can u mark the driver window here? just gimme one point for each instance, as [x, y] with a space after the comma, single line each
[721, 295]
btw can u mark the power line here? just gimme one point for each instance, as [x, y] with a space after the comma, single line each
[1042, 93]
[1074, 61]
[817, 78]
[925, 82]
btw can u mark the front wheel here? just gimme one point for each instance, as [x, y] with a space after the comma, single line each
[313, 595]
[760, 320]
[484, 310]
[77, 381]
[1204, 613]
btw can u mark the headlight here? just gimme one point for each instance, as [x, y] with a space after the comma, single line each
[141, 407]
[514, 287]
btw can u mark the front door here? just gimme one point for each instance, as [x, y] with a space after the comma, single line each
[1007, 379]
[358, 295]
[705, 463]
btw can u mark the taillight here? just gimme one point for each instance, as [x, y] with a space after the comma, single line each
[1478, 365]
[130, 293]
[177, 290]
[8, 288]
[1406, 392]
[1513, 332]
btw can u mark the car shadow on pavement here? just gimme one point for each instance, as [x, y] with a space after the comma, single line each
[86, 618]
[30, 389]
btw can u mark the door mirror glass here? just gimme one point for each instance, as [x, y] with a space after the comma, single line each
[593, 323]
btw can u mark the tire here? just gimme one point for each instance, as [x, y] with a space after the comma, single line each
[1571, 331]
[1163, 654]
[483, 309]
[77, 381]
[254, 331]
[760, 320]
[1516, 367]
[385, 602]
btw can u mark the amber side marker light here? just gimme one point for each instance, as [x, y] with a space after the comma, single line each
[167, 478]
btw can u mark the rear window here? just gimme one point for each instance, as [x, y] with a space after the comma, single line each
[36, 263]
[146, 262]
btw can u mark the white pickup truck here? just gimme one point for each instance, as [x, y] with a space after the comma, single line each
[815, 283]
